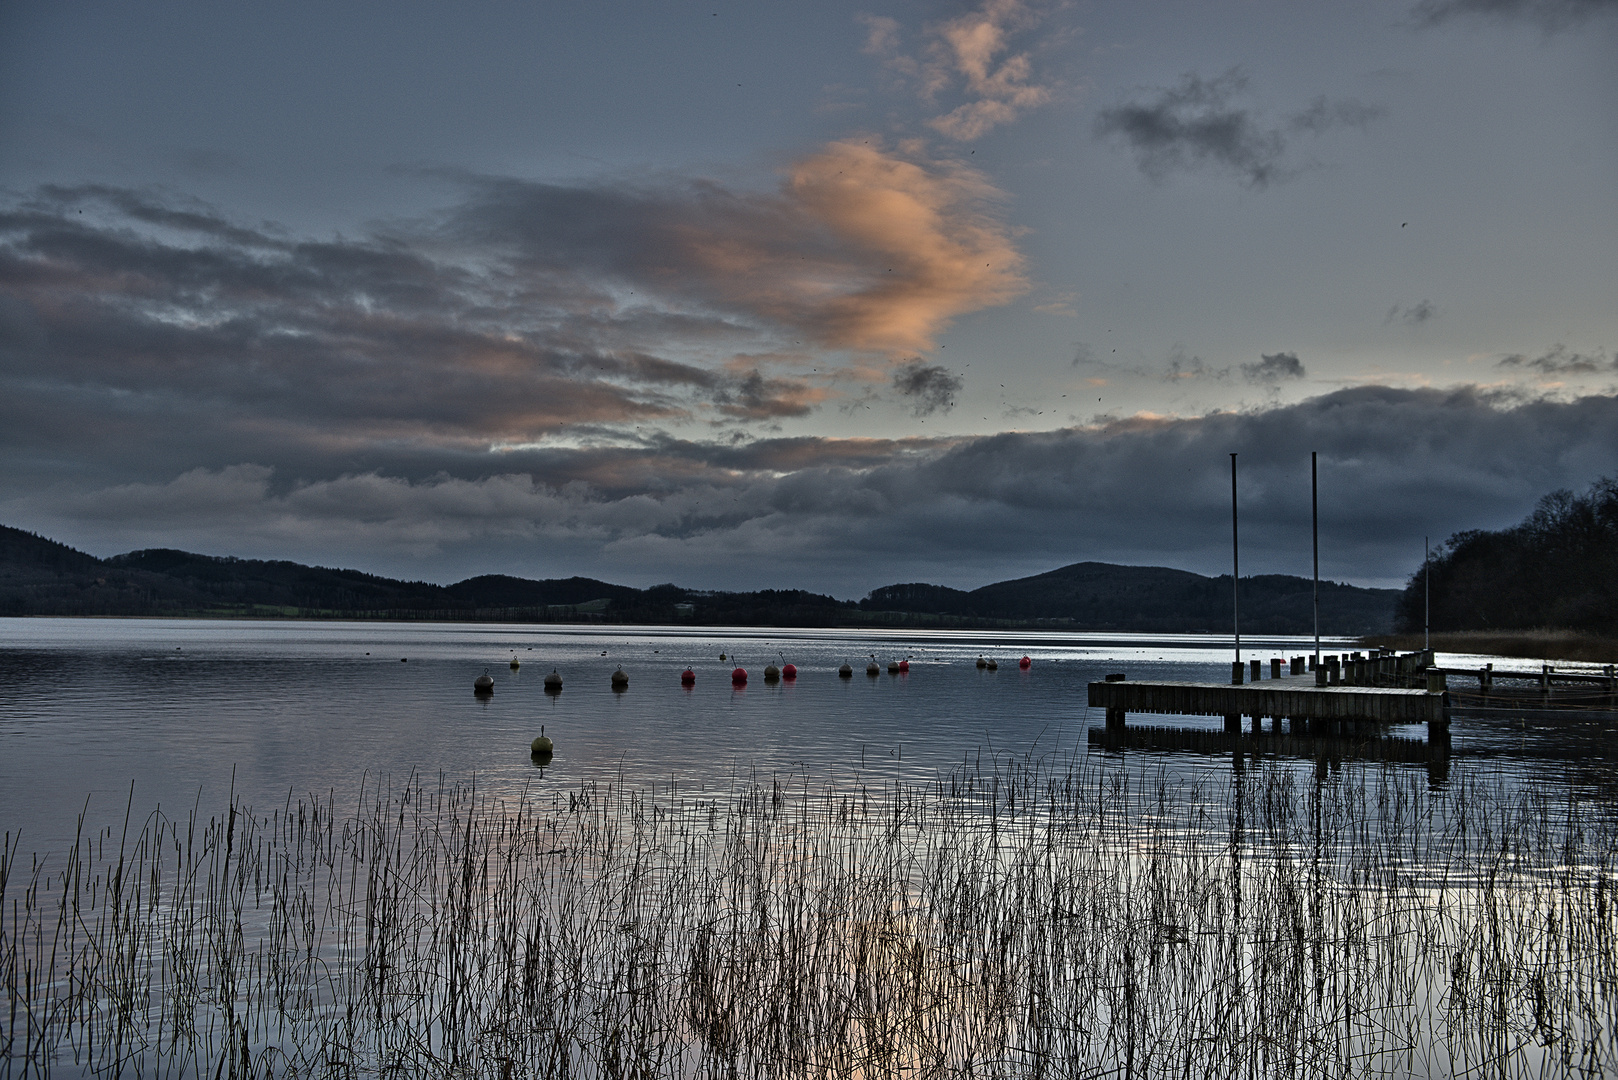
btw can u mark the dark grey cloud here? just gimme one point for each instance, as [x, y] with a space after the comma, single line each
[1552, 15]
[1183, 368]
[1274, 368]
[133, 319]
[1199, 124]
[846, 515]
[753, 397]
[1412, 315]
[1559, 360]
[930, 387]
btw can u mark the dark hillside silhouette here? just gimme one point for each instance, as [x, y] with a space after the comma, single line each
[41, 577]
[1557, 569]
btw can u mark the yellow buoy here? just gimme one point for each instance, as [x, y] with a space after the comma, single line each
[771, 673]
[483, 684]
[514, 664]
[553, 681]
[541, 747]
[846, 672]
[620, 680]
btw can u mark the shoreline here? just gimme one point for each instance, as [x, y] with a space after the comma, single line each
[1543, 645]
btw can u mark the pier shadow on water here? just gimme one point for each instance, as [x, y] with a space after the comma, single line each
[1368, 743]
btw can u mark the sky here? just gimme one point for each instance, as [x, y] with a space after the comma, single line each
[784, 295]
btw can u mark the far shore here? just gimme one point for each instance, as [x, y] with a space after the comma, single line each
[1524, 644]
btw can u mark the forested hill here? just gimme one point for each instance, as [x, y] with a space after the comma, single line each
[42, 577]
[1557, 569]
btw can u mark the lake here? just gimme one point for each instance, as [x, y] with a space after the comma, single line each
[921, 871]
[183, 709]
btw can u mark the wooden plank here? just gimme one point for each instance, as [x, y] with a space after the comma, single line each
[1376, 704]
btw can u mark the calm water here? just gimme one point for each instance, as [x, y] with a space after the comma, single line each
[96, 713]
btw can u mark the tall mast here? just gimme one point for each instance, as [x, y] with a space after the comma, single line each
[1427, 592]
[1235, 566]
[1314, 517]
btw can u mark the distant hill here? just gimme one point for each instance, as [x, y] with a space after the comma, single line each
[1104, 596]
[41, 577]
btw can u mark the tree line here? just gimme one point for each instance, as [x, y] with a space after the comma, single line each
[1556, 569]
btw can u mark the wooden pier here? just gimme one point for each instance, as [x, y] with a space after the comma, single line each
[1294, 697]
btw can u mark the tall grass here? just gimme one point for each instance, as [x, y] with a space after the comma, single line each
[1016, 917]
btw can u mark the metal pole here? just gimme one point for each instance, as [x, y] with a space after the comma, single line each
[1427, 592]
[1314, 518]
[1235, 566]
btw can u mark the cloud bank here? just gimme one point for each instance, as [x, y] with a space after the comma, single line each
[526, 311]
[847, 515]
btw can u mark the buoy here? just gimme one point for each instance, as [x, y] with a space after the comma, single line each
[620, 679]
[541, 747]
[553, 681]
[688, 677]
[739, 676]
[982, 663]
[514, 664]
[771, 673]
[1025, 663]
[893, 667]
[872, 670]
[790, 671]
[845, 672]
[483, 684]
[721, 656]
[994, 665]
[404, 660]
[904, 665]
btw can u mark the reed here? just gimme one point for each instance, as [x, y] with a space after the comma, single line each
[1016, 916]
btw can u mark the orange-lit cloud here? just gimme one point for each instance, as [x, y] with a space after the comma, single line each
[970, 52]
[931, 248]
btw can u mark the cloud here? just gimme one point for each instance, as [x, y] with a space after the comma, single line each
[932, 388]
[1414, 315]
[522, 312]
[968, 56]
[1560, 361]
[753, 397]
[1197, 124]
[847, 515]
[1273, 368]
[1183, 368]
[1552, 15]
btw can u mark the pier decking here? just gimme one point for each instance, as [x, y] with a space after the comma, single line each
[1297, 700]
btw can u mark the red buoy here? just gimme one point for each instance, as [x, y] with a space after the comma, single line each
[1025, 663]
[739, 676]
[904, 665]
[688, 677]
[790, 671]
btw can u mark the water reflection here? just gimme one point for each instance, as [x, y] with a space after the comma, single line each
[187, 708]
